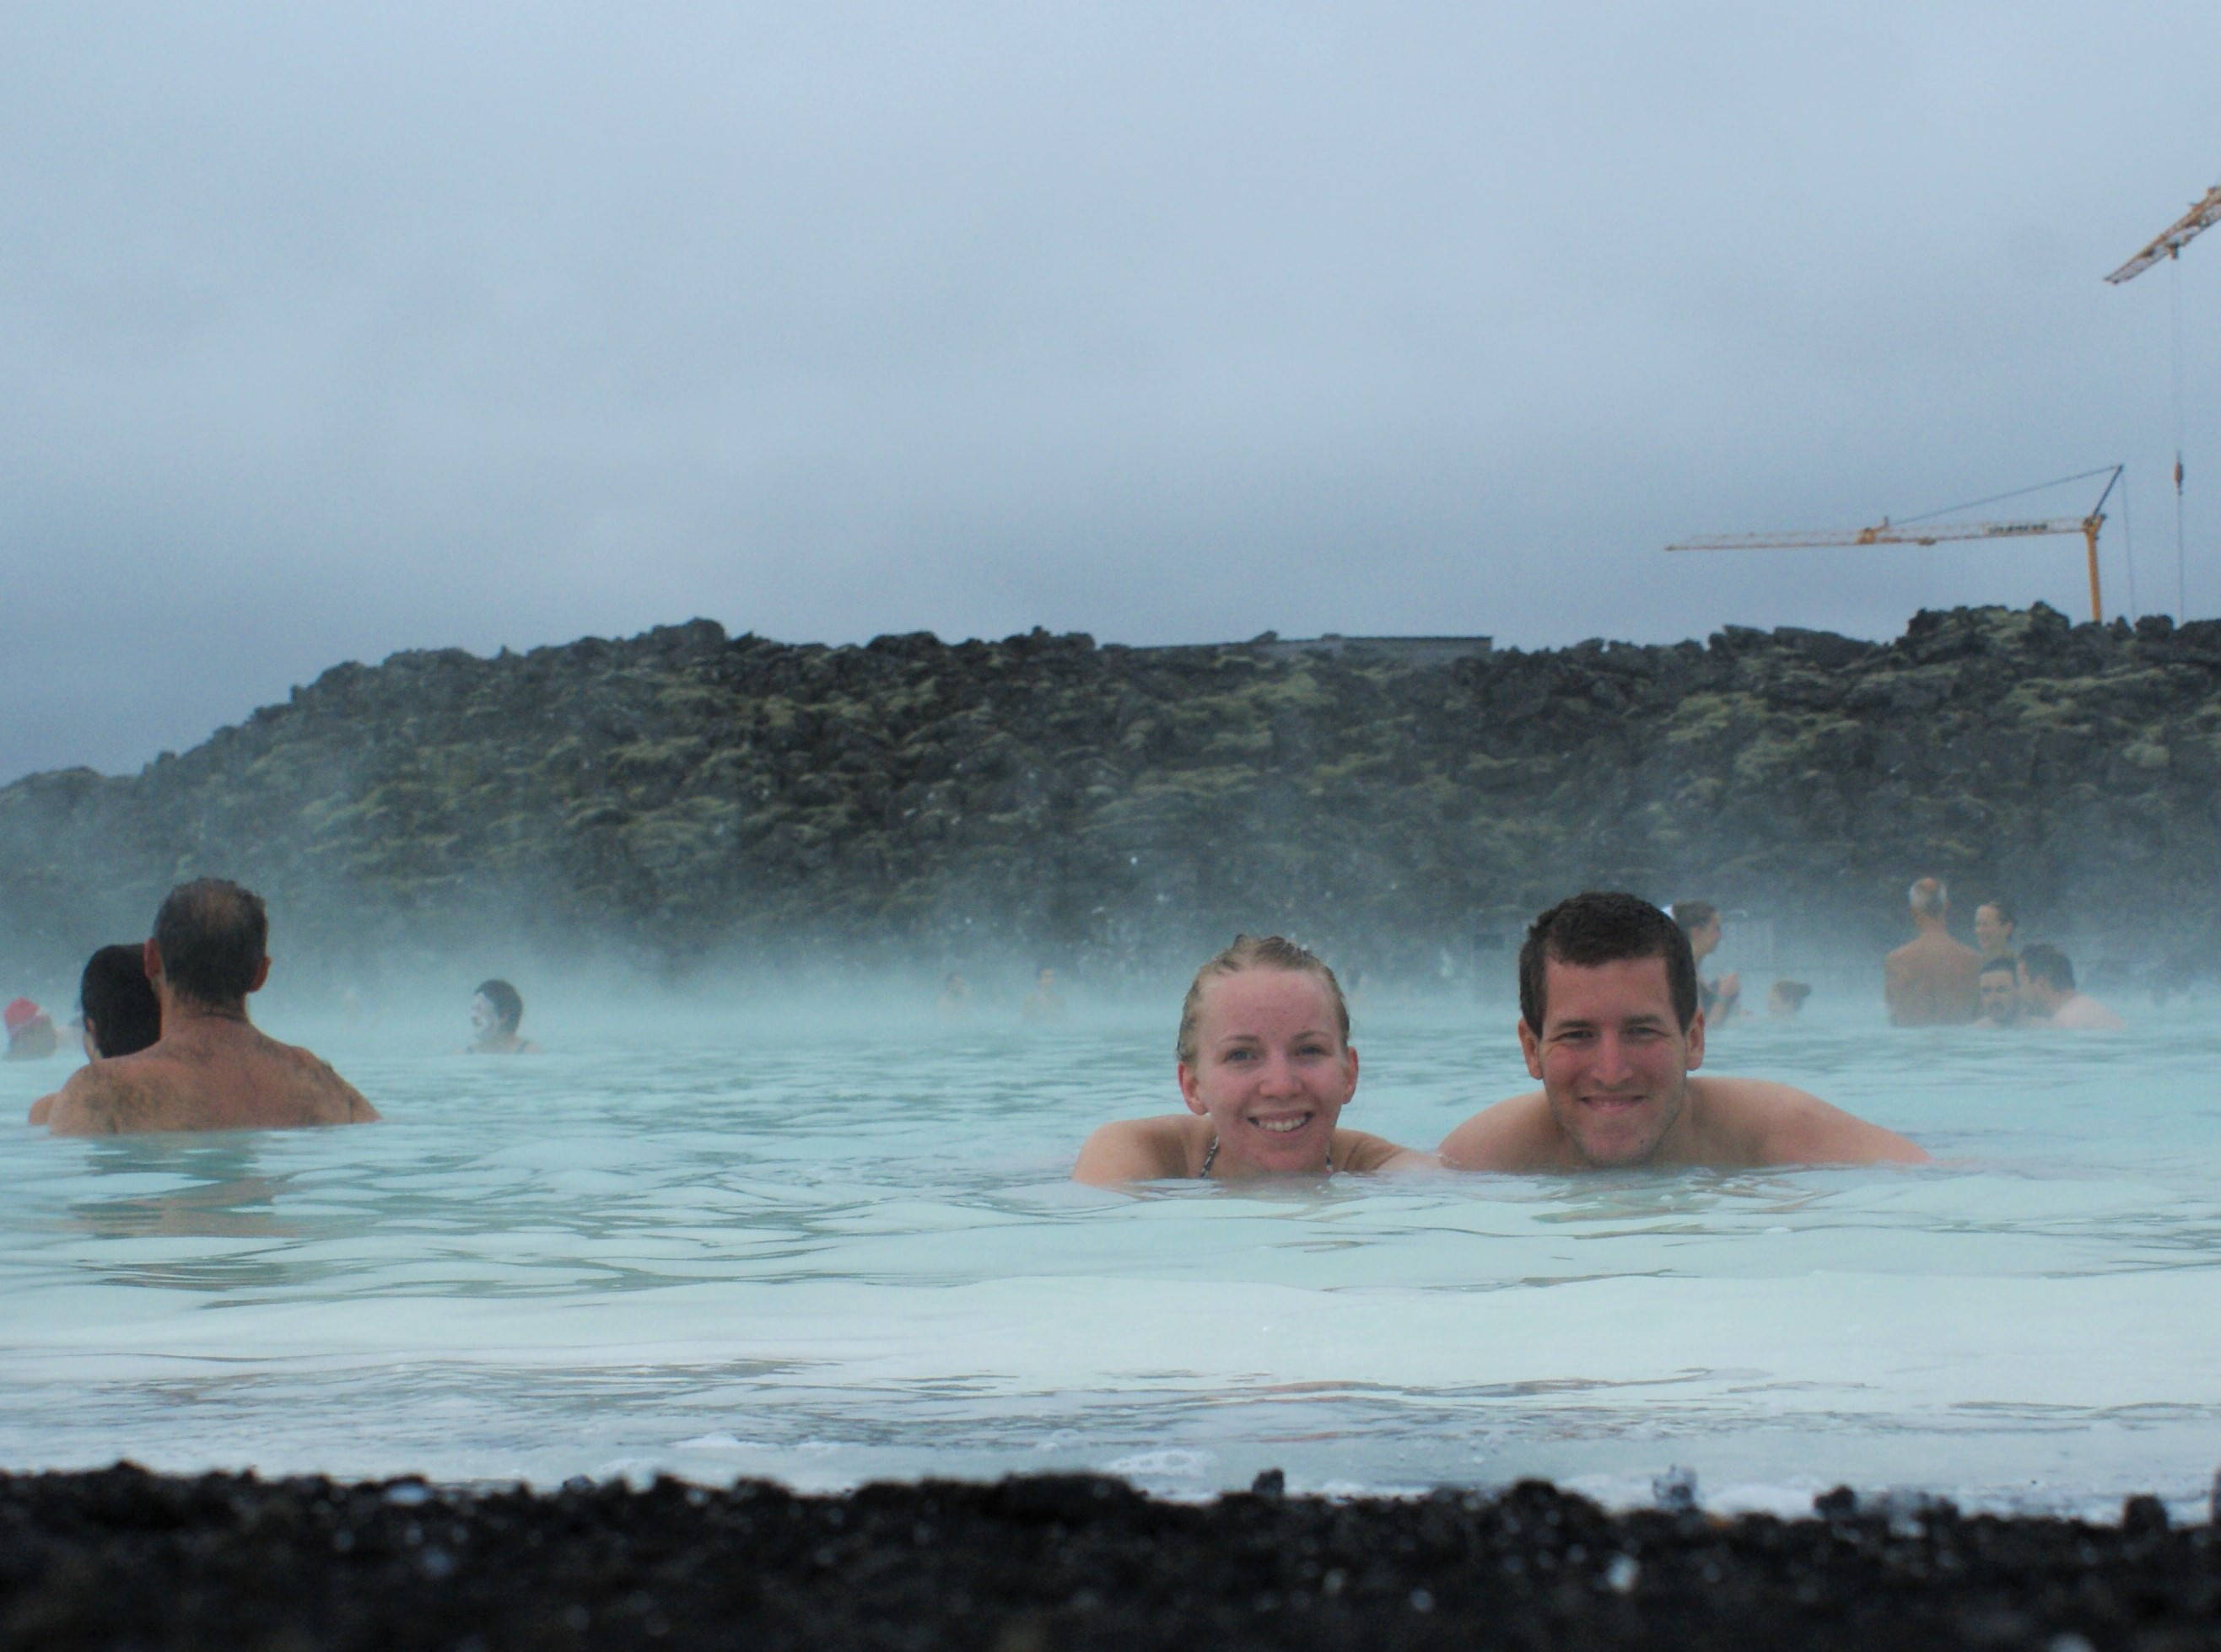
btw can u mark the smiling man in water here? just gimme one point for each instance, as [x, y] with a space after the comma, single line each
[1609, 1023]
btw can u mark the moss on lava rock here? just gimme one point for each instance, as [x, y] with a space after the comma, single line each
[692, 793]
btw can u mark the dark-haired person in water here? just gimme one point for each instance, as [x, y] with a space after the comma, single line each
[2051, 998]
[1610, 1024]
[121, 1014]
[116, 1007]
[211, 1069]
[1994, 925]
[2000, 986]
[497, 1011]
[1264, 1066]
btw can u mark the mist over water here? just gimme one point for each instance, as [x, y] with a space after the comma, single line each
[831, 1238]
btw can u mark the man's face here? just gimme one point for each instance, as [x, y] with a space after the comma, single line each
[2000, 993]
[2039, 995]
[1705, 939]
[1613, 1059]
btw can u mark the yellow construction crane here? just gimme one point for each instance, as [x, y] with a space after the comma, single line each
[2168, 245]
[1921, 530]
[2170, 241]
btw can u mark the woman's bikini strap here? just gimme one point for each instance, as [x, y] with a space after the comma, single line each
[1210, 1154]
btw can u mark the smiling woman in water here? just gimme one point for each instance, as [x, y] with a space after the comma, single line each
[1266, 1068]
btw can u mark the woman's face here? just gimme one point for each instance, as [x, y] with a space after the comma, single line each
[1991, 933]
[1271, 1071]
[484, 1017]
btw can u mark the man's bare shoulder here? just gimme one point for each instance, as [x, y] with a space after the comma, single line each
[2085, 1014]
[83, 1083]
[113, 1098]
[251, 1082]
[1762, 1121]
[321, 1083]
[1513, 1134]
[1932, 949]
[1137, 1149]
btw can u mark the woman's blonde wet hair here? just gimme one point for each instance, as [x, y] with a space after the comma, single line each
[1256, 952]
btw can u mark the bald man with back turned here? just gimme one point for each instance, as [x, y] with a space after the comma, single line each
[211, 1069]
[1932, 979]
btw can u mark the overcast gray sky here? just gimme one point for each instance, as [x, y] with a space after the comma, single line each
[327, 332]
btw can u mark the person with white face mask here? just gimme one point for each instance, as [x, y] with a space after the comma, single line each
[496, 1010]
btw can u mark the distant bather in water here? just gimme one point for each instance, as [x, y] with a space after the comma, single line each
[2051, 997]
[1931, 981]
[1266, 1068]
[497, 1010]
[31, 1035]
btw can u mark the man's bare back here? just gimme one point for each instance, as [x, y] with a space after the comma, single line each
[214, 1071]
[1724, 1122]
[1932, 981]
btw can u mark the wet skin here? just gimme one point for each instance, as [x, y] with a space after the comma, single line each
[1613, 1059]
[1271, 1072]
[2001, 1000]
[1615, 1066]
[1270, 1078]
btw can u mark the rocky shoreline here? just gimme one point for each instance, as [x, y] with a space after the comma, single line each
[693, 797]
[122, 1557]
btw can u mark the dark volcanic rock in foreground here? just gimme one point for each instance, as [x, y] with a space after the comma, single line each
[123, 1558]
[686, 793]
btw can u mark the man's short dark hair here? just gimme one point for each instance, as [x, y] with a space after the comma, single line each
[507, 1003]
[212, 935]
[2003, 910]
[1601, 927]
[2047, 963]
[2004, 965]
[118, 1003]
[1693, 916]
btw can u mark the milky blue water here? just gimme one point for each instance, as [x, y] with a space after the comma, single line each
[830, 1252]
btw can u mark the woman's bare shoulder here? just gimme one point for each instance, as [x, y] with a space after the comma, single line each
[1139, 1150]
